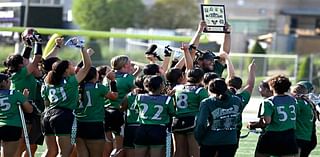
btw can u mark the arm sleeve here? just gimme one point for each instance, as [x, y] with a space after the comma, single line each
[268, 109]
[20, 97]
[201, 123]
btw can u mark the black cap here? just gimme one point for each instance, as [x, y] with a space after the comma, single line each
[209, 56]
[3, 77]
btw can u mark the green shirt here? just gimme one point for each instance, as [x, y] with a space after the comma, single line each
[92, 107]
[132, 112]
[188, 99]
[305, 120]
[9, 111]
[282, 110]
[244, 97]
[154, 109]
[64, 95]
[217, 120]
[22, 80]
[218, 67]
[125, 83]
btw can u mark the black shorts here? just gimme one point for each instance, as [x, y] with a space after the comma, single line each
[218, 151]
[35, 112]
[307, 146]
[90, 130]
[35, 134]
[150, 135]
[183, 125]
[57, 121]
[130, 135]
[10, 133]
[278, 143]
[113, 120]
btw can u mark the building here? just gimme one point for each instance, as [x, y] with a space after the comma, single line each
[295, 23]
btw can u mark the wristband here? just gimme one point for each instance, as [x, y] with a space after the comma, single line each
[80, 64]
[26, 52]
[38, 48]
[113, 86]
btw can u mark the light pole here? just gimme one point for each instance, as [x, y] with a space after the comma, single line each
[26, 12]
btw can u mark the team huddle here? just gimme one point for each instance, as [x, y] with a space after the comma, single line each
[181, 107]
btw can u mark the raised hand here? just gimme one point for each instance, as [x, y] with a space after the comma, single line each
[59, 41]
[167, 51]
[202, 25]
[227, 28]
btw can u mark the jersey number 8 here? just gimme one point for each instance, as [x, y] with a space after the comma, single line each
[182, 102]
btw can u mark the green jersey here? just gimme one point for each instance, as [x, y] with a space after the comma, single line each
[222, 118]
[9, 111]
[64, 95]
[244, 97]
[188, 99]
[22, 80]
[91, 109]
[125, 83]
[154, 109]
[282, 110]
[218, 67]
[305, 120]
[132, 112]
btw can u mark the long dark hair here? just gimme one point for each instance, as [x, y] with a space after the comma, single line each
[55, 76]
[139, 84]
[153, 83]
[90, 75]
[219, 87]
[173, 76]
[195, 75]
[13, 63]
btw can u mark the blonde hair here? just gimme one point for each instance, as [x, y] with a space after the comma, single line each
[118, 62]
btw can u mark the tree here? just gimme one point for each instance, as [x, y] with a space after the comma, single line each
[260, 62]
[104, 14]
[303, 72]
[173, 14]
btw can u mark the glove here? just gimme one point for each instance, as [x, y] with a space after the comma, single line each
[256, 124]
[75, 42]
[36, 36]
[167, 51]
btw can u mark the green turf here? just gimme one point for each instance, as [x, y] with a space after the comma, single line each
[246, 149]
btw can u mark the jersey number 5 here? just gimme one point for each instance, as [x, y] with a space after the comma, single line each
[4, 104]
[281, 111]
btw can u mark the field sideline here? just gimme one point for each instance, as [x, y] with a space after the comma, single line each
[247, 145]
[246, 149]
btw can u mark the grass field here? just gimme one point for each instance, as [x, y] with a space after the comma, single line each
[246, 149]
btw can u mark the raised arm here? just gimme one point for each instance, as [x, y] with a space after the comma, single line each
[194, 43]
[187, 56]
[167, 58]
[30, 36]
[230, 67]
[251, 78]
[226, 47]
[86, 64]
[54, 51]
